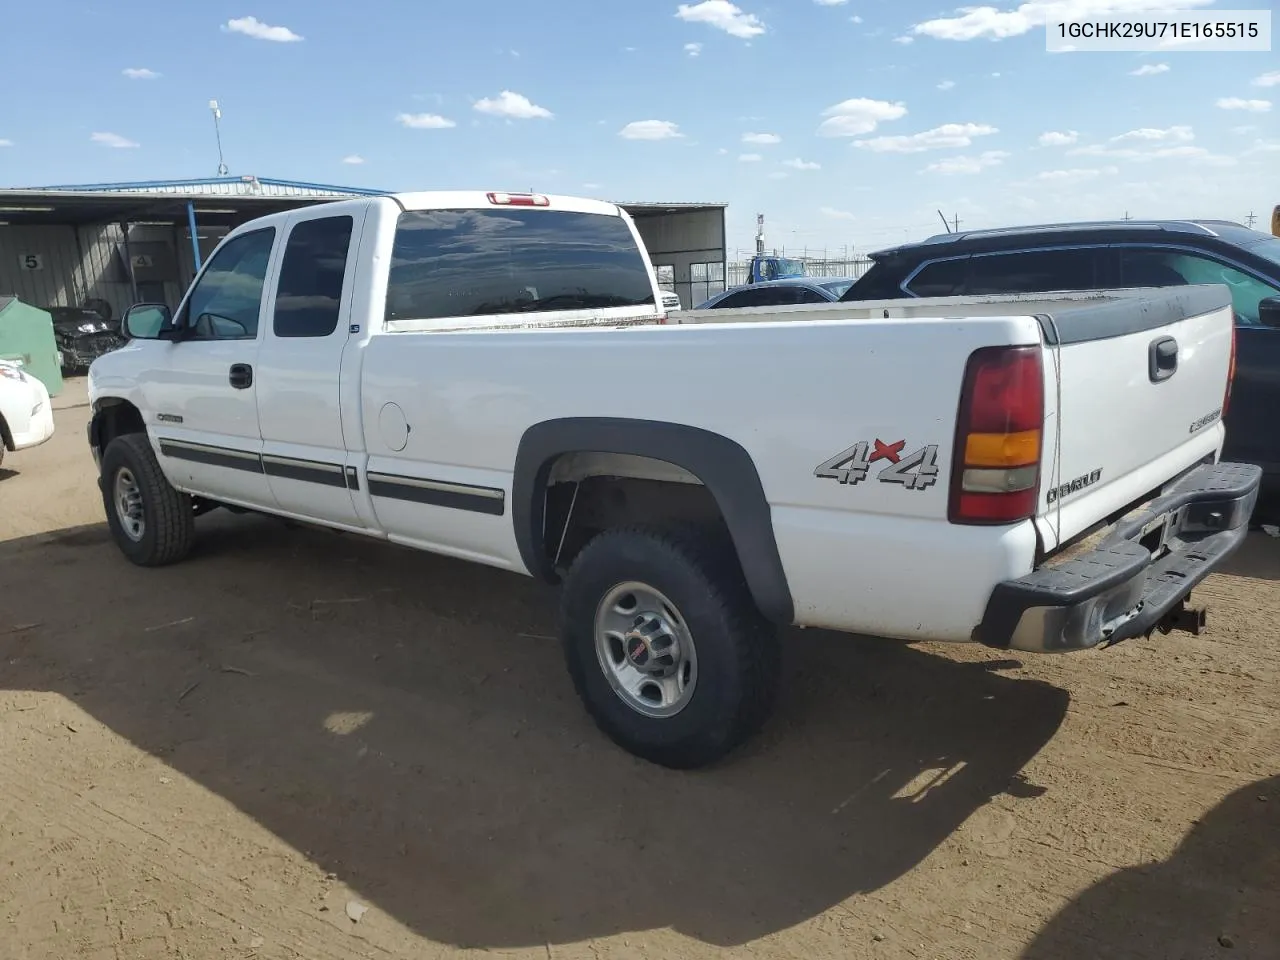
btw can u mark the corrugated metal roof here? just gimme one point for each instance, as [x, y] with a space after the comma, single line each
[649, 205]
[244, 186]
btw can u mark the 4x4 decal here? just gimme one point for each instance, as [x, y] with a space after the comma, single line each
[915, 471]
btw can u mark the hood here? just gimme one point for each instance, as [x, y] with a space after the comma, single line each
[71, 322]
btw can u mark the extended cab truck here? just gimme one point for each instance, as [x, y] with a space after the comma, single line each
[490, 377]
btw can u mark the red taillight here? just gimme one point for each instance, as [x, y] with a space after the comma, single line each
[519, 200]
[1231, 373]
[995, 477]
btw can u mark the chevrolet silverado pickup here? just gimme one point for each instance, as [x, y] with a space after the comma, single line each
[492, 377]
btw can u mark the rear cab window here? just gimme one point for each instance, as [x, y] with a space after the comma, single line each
[479, 262]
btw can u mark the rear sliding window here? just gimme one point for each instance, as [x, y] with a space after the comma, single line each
[466, 263]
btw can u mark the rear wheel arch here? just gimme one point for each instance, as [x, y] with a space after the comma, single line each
[6, 435]
[722, 465]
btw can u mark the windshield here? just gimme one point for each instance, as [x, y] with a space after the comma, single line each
[837, 287]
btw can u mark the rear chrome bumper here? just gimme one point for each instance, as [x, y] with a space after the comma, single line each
[1137, 577]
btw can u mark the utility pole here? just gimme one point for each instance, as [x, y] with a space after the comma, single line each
[1126, 216]
[759, 234]
[1250, 220]
[956, 222]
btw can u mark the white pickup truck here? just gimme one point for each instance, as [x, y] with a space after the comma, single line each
[491, 377]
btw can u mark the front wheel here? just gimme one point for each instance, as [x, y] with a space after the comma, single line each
[151, 522]
[665, 647]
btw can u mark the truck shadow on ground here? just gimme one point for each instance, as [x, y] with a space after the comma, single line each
[406, 722]
[1214, 897]
[1258, 558]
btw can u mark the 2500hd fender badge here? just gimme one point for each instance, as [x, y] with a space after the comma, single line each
[1075, 486]
[915, 471]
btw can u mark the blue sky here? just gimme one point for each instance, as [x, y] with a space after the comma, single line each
[845, 123]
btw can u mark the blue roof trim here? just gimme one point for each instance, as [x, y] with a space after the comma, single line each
[215, 181]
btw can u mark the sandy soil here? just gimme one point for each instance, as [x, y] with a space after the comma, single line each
[234, 756]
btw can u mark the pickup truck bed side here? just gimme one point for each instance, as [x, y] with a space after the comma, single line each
[449, 373]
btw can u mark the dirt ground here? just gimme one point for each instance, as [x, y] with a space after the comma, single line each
[303, 745]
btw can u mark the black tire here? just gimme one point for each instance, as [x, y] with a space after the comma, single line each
[737, 651]
[168, 516]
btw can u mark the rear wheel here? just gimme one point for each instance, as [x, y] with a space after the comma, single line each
[665, 646]
[151, 522]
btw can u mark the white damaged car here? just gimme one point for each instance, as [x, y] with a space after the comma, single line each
[26, 414]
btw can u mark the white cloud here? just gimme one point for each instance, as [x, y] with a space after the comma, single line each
[853, 118]
[835, 214]
[1179, 134]
[112, 140]
[253, 27]
[722, 151]
[953, 165]
[693, 49]
[1076, 174]
[513, 106]
[904, 40]
[939, 138]
[971, 23]
[650, 130]
[1246, 129]
[1150, 70]
[424, 121]
[946, 85]
[722, 15]
[1268, 79]
[764, 139]
[1238, 103]
[749, 158]
[798, 164]
[830, 3]
[1058, 138]
[6, 143]
[996, 75]
[140, 73]
[354, 159]
[855, 19]
[1182, 151]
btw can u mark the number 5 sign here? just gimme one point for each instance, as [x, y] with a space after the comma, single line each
[31, 261]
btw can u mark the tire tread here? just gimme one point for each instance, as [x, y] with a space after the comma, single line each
[710, 556]
[170, 514]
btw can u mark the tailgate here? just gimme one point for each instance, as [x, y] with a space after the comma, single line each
[1134, 395]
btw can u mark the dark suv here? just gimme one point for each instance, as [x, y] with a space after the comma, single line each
[1111, 255]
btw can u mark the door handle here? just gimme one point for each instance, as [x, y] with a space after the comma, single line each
[1162, 359]
[241, 376]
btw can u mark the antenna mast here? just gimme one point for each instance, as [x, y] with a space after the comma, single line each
[217, 132]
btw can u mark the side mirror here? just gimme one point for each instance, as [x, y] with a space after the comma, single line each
[146, 321]
[1269, 312]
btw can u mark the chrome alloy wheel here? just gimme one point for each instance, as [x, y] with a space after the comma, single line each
[646, 650]
[128, 501]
